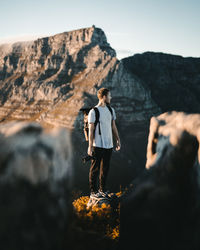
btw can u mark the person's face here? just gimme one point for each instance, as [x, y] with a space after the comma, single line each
[108, 98]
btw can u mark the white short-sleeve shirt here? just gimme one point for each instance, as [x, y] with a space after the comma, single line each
[105, 140]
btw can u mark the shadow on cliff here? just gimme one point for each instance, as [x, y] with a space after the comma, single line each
[9, 114]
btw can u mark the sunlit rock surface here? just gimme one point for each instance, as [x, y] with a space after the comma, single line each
[170, 126]
[50, 79]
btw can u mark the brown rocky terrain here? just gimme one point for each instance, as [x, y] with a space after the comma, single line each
[49, 80]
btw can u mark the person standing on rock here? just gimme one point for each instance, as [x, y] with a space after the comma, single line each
[101, 142]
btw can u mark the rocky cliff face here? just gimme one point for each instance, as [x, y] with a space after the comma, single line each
[174, 81]
[50, 79]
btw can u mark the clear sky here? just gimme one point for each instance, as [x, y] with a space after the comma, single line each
[131, 26]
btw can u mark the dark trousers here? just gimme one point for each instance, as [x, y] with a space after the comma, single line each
[99, 166]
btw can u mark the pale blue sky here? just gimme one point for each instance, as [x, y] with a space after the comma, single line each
[131, 26]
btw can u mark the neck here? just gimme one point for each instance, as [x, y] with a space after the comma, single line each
[102, 103]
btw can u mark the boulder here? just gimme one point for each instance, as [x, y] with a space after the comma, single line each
[35, 187]
[162, 210]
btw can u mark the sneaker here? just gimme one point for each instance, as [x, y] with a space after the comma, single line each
[105, 194]
[96, 195]
[92, 194]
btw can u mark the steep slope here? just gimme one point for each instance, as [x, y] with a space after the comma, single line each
[50, 79]
[174, 81]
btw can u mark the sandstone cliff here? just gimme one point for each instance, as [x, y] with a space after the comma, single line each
[50, 79]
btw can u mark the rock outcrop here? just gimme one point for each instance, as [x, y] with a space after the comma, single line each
[162, 210]
[50, 79]
[28, 152]
[170, 126]
[35, 187]
[173, 80]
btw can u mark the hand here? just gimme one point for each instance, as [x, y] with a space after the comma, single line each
[118, 145]
[90, 150]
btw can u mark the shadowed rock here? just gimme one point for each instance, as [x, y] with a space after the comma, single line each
[167, 76]
[35, 181]
[162, 211]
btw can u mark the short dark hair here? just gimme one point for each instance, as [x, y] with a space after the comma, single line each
[101, 92]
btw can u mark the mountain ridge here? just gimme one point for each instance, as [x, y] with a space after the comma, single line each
[58, 68]
[49, 80]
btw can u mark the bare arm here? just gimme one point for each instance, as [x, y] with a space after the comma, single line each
[116, 135]
[91, 137]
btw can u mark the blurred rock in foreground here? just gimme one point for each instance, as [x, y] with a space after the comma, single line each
[35, 182]
[163, 209]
